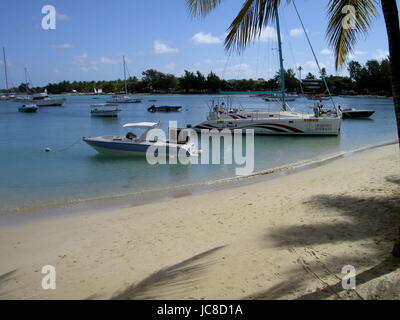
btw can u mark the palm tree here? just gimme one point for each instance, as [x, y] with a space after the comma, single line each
[255, 15]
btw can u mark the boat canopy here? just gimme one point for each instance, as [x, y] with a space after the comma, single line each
[144, 125]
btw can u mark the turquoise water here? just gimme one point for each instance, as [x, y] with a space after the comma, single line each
[72, 170]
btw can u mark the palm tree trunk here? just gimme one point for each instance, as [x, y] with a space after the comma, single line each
[390, 12]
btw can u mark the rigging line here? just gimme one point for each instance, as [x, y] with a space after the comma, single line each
[240, 66]
[315, 57]
[226, 65]
[258, 58]
[291, 49]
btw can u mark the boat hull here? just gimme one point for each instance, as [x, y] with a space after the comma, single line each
[164, 109]
[49, 103]
[316, 127]
[358, 114]
[28, 109]
[121, 148]
[106, 114]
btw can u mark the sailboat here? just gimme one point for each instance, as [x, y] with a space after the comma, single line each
[286, 121]
[39, 99]
[124, 97]
[7, 95]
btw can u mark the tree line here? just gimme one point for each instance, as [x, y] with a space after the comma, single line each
[371, 78]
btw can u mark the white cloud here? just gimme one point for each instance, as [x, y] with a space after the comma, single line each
[83, 64]
[62, 17]
[240, 71]
[381, 54]
[80, 59]
[360, 52]
[105, 60]
[268, 34]
[205, 38]
[161, 47]
[61, 46]
[169, 67]
[326, 52]
[296, 33]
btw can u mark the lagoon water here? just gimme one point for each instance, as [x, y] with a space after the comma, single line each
[72, 170]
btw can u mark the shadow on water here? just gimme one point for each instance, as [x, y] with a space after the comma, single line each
[372, 220]
[176, 279]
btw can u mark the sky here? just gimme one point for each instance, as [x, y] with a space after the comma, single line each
[91, 36]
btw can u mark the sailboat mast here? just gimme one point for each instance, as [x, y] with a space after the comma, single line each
[5, 67]
[26, 79]
[282, 70]
[126, 87]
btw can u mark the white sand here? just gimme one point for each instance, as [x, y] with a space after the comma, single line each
[280, 239]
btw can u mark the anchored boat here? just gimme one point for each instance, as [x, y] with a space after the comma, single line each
[286, 121]
[355, 113]
[29, 108]
[104, 110]
[124, 97]
[164, 108]
[135, 143]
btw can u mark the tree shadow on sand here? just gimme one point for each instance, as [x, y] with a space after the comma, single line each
[176, 279]
[4, 278]
[370, 221]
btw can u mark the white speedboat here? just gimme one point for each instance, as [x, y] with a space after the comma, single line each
[104, 110]
[134, 144]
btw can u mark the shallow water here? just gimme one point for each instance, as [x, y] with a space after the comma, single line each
[72, 170]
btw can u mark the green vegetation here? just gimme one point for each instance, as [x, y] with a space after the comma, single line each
[371, 78]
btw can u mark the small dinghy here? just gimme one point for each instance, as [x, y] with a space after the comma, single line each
[355, 113]
[28, 108]
[104, 110]
[164, 108]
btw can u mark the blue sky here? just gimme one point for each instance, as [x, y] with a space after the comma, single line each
[91, 37]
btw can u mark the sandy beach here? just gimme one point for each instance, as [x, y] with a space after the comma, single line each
[285, 238]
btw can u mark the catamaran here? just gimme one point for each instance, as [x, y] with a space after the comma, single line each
[124, 97]
[285, 121]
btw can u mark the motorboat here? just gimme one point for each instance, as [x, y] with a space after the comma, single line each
[136, 142]
[153, 108]
[104, 110]
[28, 108]
[356, 113]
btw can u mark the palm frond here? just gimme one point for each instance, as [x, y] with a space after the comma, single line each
[253, 17]
[343, 39]
[201, 7]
